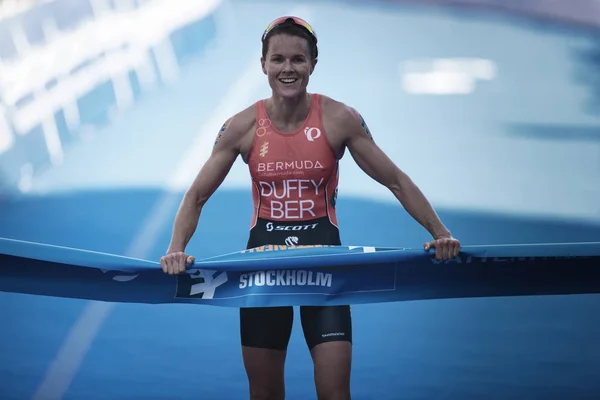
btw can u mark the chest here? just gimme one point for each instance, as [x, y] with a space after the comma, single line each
[306, 154]
[310, 143]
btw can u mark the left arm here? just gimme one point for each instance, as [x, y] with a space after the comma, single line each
[375, 163]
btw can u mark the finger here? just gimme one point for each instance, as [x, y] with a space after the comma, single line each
[452, 249]
[163, 264]
[173, 266]
[456, 248]
[430, 245]
[177, 264]
[443, 247]
[439, 252]
[184, 263]
[448, 249]
[191, 260]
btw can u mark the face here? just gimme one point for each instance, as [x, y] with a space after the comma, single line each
[288, 65]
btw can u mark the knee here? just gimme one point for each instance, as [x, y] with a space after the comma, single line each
[333, 387]
[336, 394]
[266, 393]
[332, 370]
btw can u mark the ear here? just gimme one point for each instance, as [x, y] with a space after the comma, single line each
[314, 64]
[262, 64]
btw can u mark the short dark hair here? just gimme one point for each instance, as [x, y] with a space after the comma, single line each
[290, 28]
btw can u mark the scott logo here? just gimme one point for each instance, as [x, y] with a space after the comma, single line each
[312, 133]
[271, 227]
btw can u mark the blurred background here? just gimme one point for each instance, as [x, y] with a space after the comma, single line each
[108, 108]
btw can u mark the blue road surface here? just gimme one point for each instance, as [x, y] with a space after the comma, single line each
[103, 125]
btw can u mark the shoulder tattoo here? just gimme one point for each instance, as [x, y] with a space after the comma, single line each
[363, 124]
[222, 131]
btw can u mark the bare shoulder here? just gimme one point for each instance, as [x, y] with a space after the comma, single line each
[236, 128]
[336, 111]
[244, 120]
[343, 120]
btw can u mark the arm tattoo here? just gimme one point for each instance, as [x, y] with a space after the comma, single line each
[221, 131]
[363, 124]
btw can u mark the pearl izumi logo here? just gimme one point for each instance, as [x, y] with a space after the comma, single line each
[312, 133]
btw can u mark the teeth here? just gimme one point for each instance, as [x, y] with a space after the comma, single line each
[288, 80]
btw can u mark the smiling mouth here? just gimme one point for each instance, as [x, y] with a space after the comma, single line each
[288, 81]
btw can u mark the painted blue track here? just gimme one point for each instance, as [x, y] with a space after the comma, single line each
[536, 149]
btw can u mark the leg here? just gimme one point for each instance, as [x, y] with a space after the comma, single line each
[328, 334]
[265, 333]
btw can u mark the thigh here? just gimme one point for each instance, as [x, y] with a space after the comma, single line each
[324, 324]
[266, 327]
[265, 334]
[328, 334]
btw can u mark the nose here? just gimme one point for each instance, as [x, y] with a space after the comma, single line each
[287, 66]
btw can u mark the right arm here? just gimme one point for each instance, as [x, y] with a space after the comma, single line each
[224, 153]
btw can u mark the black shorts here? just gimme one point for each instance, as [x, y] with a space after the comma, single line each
[271, 327]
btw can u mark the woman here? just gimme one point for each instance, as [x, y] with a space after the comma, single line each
[292, 143]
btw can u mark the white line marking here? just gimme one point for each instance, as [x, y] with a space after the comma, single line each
[166, 60]
[7, 138]
[53, 143]
[59, 376]
[72, 352]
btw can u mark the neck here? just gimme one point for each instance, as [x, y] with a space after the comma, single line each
[289, 111]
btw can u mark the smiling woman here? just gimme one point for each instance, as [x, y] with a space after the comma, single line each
[506, 164]
[292, 39]
[292, 143]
